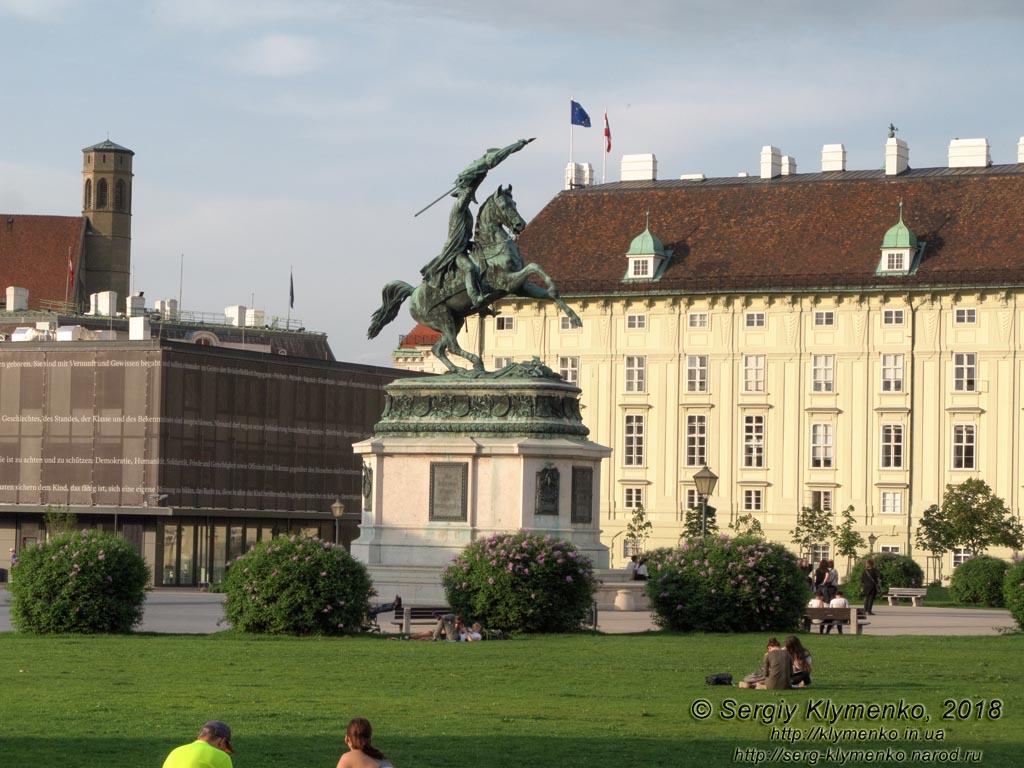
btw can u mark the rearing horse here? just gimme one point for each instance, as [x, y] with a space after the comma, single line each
[502, 273]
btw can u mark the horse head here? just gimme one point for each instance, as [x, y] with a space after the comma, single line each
[498, 211]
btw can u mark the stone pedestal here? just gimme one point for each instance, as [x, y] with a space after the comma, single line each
[455, 459]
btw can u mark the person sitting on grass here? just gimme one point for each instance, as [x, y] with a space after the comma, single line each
[777, 668]
[801, 659]
[361, 752]
[211, 749]
[839, 601]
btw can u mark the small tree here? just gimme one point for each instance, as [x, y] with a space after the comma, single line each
[813, 525]
[847, 540]
[692, 524]
[971, 516]
[59, 520]
[933, 534]
[638, 530]
[747, 525]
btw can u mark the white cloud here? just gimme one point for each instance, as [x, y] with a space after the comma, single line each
[38, 10]
[277, 56]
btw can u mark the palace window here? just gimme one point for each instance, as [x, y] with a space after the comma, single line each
[754, 319]
[966, 316]
[961, 555]
[753, 499]
[697, 320]
[823, 373]
[503, 362]
[895, 261]
[819, 552]
[641, 268]
[892, 503]
[892, 446]
[565, 324]
[821, 445]
[634, 443]
[824, 318]
[964, 372]
[696, 440]
[692, 498]
[753, 441]
[889, 549]
[634, 496]
[696, 373]
[636, 322]
[753, 373]
[892, 317]
[505, 323]
[964, 443]
[821, 500]
[636, 373]
[892, 373]
[569, 369]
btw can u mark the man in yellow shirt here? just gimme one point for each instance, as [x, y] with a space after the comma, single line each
[210, 749]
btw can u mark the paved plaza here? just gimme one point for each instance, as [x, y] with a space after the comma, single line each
[197, 613]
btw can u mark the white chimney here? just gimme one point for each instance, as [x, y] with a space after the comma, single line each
[235, 315]
[639, 168]
[771, 162]
[699, 176]
[17, 298]
[168, 308]
[1020, 150]
[742, 175]
[969, 153]
[136, 305]
[833, 157]
[578, 175]
[254, 318]
[106, 303]
[69, 333]
[897, 156]
[138, 329]
[788, 165]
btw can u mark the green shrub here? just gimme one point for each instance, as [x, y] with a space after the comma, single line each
[893, 570]
[979, 581]
[297, 586]
[1013, 591]
[521, 582]
[88, 581]
[726, 585]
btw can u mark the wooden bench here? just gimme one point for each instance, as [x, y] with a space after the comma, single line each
[851, 616]
[408, 615]
[914, 594]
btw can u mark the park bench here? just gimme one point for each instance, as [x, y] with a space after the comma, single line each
[914, 594]
[851, 616]
[408, 615]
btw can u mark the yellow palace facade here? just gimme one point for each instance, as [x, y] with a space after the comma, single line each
[827, 339]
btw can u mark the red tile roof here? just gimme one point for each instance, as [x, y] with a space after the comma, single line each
[794, 232]
[34, 254]
[420, 336]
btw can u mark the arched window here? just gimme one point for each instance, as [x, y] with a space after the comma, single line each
[119, 201]
[101, 193]
[88, 194]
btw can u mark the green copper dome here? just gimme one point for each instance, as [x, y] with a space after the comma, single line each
[646, 244]
[107, 146]
[900, 235]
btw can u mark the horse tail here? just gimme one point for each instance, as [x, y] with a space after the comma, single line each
[392, 296]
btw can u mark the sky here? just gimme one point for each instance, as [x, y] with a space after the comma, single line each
[302, 135]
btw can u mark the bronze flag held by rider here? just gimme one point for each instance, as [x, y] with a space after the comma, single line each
[474, 268]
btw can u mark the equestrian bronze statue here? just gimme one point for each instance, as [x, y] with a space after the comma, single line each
[469, 275]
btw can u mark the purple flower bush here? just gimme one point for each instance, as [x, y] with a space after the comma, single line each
[521, 582]
[297, 586]
[1013, 591]
[88, 582]
[726, 585]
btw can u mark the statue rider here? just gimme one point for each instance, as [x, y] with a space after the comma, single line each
[455, 254]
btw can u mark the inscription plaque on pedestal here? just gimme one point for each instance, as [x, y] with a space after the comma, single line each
[582, 495]
[448, 484]
[547, 491]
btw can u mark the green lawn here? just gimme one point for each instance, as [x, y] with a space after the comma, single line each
[584, 700]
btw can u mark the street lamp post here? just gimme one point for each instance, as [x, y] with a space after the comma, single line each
[705, 481]
[337, 509]
[871, 542]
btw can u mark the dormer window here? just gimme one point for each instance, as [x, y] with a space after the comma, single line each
[641, 267]
[900, 250]
[895, 261]
[646, 257]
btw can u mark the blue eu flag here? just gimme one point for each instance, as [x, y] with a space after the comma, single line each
[579, 115]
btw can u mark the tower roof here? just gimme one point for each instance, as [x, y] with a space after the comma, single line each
[900, 235]
[108, 146]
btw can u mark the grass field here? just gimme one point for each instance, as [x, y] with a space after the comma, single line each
[585, 700]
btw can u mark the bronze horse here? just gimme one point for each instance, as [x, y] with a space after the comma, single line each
[502, 273]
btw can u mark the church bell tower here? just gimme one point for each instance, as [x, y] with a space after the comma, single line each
[107, 204]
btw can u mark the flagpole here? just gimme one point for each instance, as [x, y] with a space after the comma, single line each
[181, 280]
[604, 146]
[291, 283]
[570, 131]
[67, 280]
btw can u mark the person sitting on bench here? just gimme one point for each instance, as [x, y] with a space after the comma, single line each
[839, 601]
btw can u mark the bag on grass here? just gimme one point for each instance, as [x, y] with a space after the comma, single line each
[722, 678]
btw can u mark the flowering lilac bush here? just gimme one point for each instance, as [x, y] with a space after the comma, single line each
[726, 585]
[1013, 591]
[521, 582]
[88, 581]
[297, 586]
